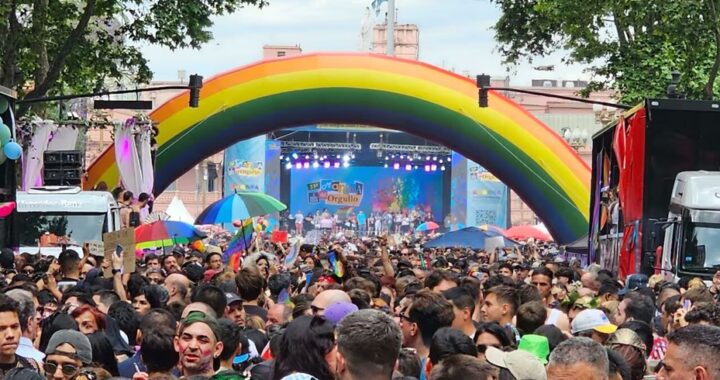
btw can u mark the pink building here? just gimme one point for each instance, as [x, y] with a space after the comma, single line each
[407, 40]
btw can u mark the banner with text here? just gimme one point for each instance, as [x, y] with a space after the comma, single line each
[487, 198]
[365, 188]
[245, 166]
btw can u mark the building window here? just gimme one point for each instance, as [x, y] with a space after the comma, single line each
[281, 54]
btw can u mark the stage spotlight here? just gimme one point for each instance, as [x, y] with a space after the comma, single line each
[336, 165]
[408, 167]
[346, 158]
[353, 156]
[326, 164]
[442, 168]
[315, 165]
[346, 164]
[416, 167]
[306, 165]
[298, 165]
[402, 156]
[441, 160]
[295, 156]
[288, 166]
[386, 165]
[282, 157]
[410, 158]
[316, 156]
[433, 167]
[396, 166]
[434, 158]
[427, 168]
[307, 156]
[338, 156]
[386, 158]
[449, 159]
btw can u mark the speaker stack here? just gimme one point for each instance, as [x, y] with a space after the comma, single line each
[62, 168]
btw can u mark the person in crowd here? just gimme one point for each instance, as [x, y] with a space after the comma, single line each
[516, 364]
[463, 307]
[635, 306]
[462, 367]
[594, 324]
[230, 335]
[29, 324]
[198, 344]
[89, 319]
[10, 333]
[158, 353]
[368, 346]
[577, 356]
[68, 352]
[421, 319]
[629, 345]
[692, 353]
[449, 341]
[251, 284]
[154, 319]
[306, 350]
[234, 310]
[103, 355]
[177, 286]
[501, 303]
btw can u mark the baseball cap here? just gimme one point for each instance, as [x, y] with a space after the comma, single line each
[521, 364]
[537, 345]
[232, 298]
[81, 343]
[337, 311]
[592, 319]
[634, 282]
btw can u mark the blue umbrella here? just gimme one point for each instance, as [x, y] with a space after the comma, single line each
[239, 206]
[470, 237]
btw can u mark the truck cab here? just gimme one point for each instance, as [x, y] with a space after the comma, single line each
[692, 237]
[65, 213]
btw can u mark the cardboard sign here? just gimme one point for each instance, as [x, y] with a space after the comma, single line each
[494, 242]
[96, 247]
[126, 239]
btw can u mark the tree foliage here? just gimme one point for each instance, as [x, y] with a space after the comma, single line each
[631, 46]
[78, 45]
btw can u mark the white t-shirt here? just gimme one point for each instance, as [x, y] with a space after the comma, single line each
[298, 218]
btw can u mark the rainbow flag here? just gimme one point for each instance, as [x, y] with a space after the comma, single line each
[292, 254]
[337, 265]
[241, 240]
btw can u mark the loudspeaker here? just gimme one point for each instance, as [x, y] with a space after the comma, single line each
[62, 177]
[69, 158]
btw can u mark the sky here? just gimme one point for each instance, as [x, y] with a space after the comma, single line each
[454, 34]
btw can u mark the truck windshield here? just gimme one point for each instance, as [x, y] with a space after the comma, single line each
[78, 228]
[702, 246]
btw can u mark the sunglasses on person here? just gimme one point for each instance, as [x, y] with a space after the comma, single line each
[68, 370]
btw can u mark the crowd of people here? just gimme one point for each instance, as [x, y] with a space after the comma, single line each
[359, 308]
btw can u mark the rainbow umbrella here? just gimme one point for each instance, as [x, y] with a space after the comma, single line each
[239, 206]
[165, 233]
[427, 226]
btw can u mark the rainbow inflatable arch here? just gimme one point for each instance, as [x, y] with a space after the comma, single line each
[382, 91]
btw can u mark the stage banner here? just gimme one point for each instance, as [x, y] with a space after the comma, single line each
[487, 198]
[272, 168]
[458, 193]
[370, 189]
[245, 166]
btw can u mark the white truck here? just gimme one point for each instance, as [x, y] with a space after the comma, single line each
[68, 213]
[692, 236]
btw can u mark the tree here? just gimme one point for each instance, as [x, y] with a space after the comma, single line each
[630, 46]
[78, 45]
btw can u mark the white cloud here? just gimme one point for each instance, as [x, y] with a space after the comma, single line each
[454, 34]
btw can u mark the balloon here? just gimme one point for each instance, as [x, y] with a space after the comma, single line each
[4, 105]
[12, 150]
[6, 208]
[5, 134]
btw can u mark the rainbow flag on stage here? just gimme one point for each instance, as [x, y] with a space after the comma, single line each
[241, 240]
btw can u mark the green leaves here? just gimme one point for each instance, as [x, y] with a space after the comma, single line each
[39, 38]
[630, 45]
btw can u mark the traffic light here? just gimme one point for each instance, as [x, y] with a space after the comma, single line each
[196, 83]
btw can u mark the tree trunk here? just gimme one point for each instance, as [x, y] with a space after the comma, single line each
[8, 71]
[39, 48]
[712, 75]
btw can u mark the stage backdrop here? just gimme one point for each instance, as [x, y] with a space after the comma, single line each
[245, 166]
[365, 188]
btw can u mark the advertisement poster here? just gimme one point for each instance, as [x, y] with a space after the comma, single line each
[487, 197]
[370, 189]
[245, 166]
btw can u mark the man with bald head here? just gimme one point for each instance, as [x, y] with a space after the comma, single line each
[177, 286]
[327, 298]
[198, 306]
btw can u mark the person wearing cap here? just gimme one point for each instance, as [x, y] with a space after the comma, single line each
[594, 324]
[628, 344]
[521, 364]
[67, 353]
[537, 345]
[234, 310]
[198, 344]
[337, 311]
